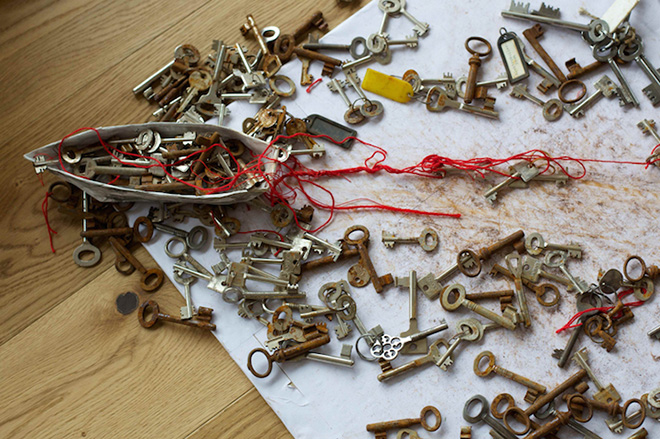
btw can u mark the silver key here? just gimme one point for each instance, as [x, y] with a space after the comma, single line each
[393, 7]
[251, 78]
[484, 416]
[557, 258]
[654, 333]
[370, 108]
[195, 238]
[187, 311]
[437, 99]
[86, 248]
[535, 244]
[432, 286]
[606, 52]
[549, 80]
[514, 263]
[635, 51]
[353, 114]
[524, 171]
[604, 88]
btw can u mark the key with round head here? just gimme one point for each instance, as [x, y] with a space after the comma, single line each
[552, 109]
[437, 100]
[395, 7]
[484, 416]
[149, 313]
[387, 347]
[453, 297]
[151, 279]
[634, 50]
[271, 63]
[524, 171]
[534, 388]
[557, 259]
[468, 330]
[535, 244]
[86, 254]
[380, 428]
[606, 51]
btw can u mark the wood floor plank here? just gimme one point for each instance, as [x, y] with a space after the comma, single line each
[248, 417]
[86, 370]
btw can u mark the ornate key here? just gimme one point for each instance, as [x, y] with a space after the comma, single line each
[552, 109]
[387, 347]
[484, 416]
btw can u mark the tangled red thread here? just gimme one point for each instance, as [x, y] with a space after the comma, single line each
[621, 295]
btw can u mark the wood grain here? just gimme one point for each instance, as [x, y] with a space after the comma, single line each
[70, 364]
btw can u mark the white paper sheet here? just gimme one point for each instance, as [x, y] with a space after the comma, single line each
[611, 213]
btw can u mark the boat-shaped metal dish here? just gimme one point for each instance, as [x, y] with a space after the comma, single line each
[112, 193]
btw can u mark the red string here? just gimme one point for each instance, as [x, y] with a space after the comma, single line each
[51, 231]
[621, 295]
[312, 85]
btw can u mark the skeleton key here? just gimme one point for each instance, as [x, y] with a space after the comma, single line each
[549, 80]
[552, 109]
[605, 394]
[282, 355]
[475, 63]
[563, 354]
[604, 88]
[203, 320]
[635, 51]
[428, 239]
[457, 292]
[271, 63]
[534, 389]
[433, 356]
[285, 44]
[437, 99]
[151, 279]
[523, 170]
[187, 311]
[606, 52]
[498, 431]
[86, 248]
[365, 262]
[469, 330]
[515, 264]
[557, 258]
[572, 423]
[380, 428]
[535, 244]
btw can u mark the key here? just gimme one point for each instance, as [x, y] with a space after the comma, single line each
[298, 126]
[133, 232]
[654, 333]
[533, 270]
[484, 416]
[211, 97]
[387, 347]
[532, 35]
[199, 80]
[475, 63]
[183, 255]
[468, 330]
[428, 239]
[606, 52]
[499, 82]
[557, 259]
[433, 356]
[343, 360]
[395, 7]
[282, 355]
[421, 345]
[605, 394]
[457, 293]
[563, 354]
[552, 109]
[271, 64]
[145, 140]
[534, 388]
[515, 264]
[379, 282]
[187, 311]
[535, 244]
[353, 114]
[86, 254]
[151, 279]
[524, 171]
[370, 108]
[437, 99]
[549, 80]
[577, 71]
[195, 238]
[604, 88]
[380, 428]
[285, 44]
[251, 78]
[597, 30]
[635, 51]
[149, 313]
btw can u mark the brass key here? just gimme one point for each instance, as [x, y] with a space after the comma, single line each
[475, 63]
[271, 63]
[360, 274]
[534, 389]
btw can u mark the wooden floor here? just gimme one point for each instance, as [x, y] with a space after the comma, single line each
[71, 366]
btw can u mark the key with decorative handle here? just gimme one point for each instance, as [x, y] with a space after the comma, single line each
[387, 347]
[534, 389]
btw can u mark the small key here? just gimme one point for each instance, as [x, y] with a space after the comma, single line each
[82, 253]
[458, 291]
[604, 88]
[437, 99]
[387, 347]
[428, 239]
[552, 109]
[475, 63]
[298, 126]
[433, 356]
[343, 360]
[606, 52]
[353, 114]
[187, 311]
[515, 265]
[271, 64]
[150, 308]
[484, 416]
[535, 244]
[151, 279]
[563, 354]
[395, 7]
[605, 394]
[379, 282]
[380, 428]
[534, 389]
[557, 259]
[524, 171]
[468, 330]
[370, 108]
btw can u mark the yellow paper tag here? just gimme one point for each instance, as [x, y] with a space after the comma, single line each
[387, 86]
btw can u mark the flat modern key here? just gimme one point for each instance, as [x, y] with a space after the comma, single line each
[557, 258]
[437, 100]
[353, 114]
[604, 88]
[606, 52]
[484, 416]
[81, 253]
[635, 51]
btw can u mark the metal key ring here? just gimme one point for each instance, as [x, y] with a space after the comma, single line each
[569, 83]
[357, 349]
[175, 255]
[269, 358]
[484, 41]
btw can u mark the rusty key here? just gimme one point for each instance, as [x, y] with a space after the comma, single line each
[282, 355]
[202, 320]
[533, 34]
[120, 231]
[271, 63]
[575, 70]
[285, 43]
[364, 270]
[475, 63]
[151, 279]
[380, 428]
